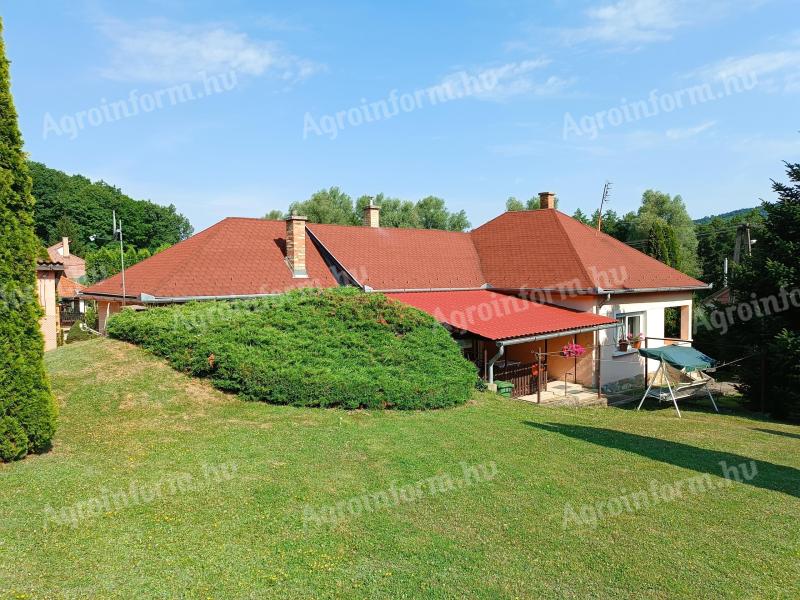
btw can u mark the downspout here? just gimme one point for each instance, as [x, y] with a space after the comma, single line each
[494, 359]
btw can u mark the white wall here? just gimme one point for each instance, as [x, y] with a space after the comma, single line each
[619, 366]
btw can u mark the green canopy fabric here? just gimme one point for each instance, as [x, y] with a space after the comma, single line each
[681, 357]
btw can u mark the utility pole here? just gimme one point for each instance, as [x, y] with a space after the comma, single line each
[118, 230]
[742, 236]
[603, 200]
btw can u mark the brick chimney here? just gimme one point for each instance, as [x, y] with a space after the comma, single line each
[547, 199]
[65, 246]
[296, 245]
[372, 215]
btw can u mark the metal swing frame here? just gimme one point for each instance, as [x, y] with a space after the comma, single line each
[685, 390]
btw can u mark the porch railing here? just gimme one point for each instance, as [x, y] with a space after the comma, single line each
[70, 316]
[520, 374]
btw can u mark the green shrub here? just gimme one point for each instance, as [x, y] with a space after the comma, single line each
[339, 347]
[78, 334]
[90, 317]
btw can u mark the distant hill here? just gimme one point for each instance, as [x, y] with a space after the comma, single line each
[725, 216]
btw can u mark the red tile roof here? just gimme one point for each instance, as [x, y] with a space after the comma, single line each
[385, 258]
[544, 249]
[498, 317]
[74, 265]
[68, 288]
[235, 257]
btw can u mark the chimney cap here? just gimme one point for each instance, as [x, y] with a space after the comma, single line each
[296, 217]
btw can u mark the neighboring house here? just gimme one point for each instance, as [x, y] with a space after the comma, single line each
[71, 306]
[524, 283]
[74, 266]
[48, 274]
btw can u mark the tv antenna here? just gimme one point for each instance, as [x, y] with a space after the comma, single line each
[603, 200]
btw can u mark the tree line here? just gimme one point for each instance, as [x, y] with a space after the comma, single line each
[333, 206]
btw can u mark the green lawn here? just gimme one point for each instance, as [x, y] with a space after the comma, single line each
[128, 421]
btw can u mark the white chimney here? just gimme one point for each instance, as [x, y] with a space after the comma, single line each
[65, 246]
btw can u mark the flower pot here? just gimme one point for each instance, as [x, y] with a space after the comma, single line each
[637, 344]
[623, 345]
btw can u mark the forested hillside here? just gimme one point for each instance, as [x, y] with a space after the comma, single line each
[76, 207]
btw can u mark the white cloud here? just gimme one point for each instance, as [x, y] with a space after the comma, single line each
[680, 134]
[774, 71]
[628, 23]
[517, 79]
[156, 52]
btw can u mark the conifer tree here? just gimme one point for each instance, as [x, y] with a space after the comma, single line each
[27, 407]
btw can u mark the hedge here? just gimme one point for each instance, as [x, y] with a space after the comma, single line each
[339, 347]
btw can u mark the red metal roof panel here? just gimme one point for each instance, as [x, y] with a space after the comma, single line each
[496, 316]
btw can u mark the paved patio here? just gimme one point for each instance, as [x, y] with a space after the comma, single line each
[570, 394]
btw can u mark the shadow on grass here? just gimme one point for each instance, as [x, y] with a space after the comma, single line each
[776, 432]
[778, 478]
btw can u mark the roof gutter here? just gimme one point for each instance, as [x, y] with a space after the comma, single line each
[600, 291]
[149, 299]
[555, 334]
[687, 288]
[484, 287]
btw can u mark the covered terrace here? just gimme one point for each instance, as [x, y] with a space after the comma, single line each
[513, 339]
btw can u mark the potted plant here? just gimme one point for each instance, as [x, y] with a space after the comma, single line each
[623, 344]
[573, 350]
[637, 340]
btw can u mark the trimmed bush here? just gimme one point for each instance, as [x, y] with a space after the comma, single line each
[78, 334]
[339, 347]
[27, 406]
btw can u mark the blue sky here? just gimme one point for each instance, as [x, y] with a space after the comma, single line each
[688, 97]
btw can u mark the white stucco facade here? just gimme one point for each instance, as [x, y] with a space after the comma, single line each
[619, 369]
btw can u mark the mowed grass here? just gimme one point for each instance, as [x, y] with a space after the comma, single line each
[126, 418]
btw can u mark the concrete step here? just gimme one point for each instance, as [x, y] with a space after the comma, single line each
[583, 397]
[559, 387]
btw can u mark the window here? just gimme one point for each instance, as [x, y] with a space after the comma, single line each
[631, 327]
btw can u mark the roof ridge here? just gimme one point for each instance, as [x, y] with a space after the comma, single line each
[365, 228]
[571, 246]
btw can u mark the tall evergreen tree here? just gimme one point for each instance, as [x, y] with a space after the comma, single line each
[770, 280]
[662, 243]
[27, 407]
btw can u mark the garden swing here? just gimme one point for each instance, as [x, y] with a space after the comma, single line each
[682, 369]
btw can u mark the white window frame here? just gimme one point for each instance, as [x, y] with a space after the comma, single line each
[622, 330]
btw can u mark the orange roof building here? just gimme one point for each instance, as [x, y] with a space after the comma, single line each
[577, 280]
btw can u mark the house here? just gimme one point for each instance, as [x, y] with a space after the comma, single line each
[71, 306]
[74, 266]
[514, 291]
[48, 274]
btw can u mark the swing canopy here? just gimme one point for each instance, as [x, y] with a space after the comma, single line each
[685, 358]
